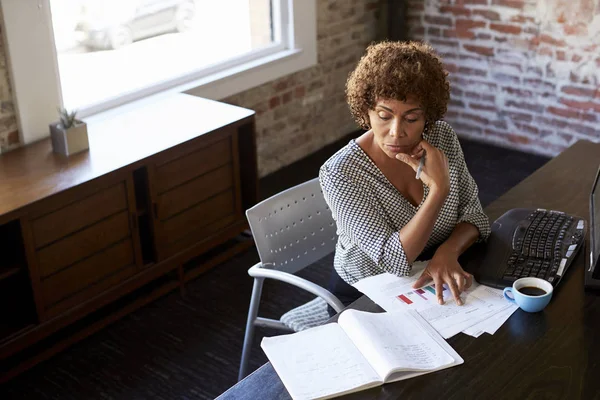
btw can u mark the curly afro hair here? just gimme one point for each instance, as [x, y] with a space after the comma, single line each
[395, 70]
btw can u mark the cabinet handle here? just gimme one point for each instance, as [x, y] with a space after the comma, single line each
[155, 210]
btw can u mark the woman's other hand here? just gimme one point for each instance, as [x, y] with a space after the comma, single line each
[444, 268]
[435, 173]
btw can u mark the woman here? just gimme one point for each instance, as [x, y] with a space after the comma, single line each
[385, 216]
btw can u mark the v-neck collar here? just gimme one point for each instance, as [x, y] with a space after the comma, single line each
[356, 146]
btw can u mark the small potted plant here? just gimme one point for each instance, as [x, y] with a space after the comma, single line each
[69, 135]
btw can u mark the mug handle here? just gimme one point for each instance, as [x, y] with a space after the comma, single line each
[510, 298]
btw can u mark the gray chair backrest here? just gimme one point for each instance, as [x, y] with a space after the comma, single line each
[294, 228]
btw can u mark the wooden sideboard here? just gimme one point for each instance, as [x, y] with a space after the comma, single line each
[158, 199]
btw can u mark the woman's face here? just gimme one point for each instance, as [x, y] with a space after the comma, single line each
[397, 125]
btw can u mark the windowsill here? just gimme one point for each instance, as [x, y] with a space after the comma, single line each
[224, 83]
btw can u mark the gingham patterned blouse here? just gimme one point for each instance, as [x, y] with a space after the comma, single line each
[369, 211]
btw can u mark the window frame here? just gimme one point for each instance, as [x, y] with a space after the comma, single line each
[28, 25]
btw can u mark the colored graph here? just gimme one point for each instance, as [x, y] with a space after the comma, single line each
[426, 293]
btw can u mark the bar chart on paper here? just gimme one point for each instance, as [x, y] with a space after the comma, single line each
[420, 296]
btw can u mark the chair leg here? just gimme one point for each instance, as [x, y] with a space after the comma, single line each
[249, 336]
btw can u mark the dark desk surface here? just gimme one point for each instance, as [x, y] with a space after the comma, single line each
[554, 354]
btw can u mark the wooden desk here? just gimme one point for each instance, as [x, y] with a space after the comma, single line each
[548, 355]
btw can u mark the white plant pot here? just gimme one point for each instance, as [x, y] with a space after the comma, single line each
[69, 141]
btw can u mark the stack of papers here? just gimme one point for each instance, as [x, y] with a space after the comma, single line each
[484, 310]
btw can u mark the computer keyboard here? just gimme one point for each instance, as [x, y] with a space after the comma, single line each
[544, 245]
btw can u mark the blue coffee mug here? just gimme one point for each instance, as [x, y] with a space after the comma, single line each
[529, 302]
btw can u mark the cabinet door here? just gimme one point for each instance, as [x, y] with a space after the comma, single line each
[84, 244]
[196, 192]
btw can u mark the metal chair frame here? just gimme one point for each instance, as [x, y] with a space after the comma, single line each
[291, 230]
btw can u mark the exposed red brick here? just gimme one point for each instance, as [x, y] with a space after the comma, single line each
[514, 138]
[464, 24]
[434, 20]
[500, 77]
[576, 58]
[488, 14]
[300, 91]
[484, 51]
[287, 97]
[521, 19]
[454, 91]
[456, 103]
[561, 55]
[420, 31]
[582, 105]
[581, 91]
[274, 102]
[480, 2]
[546, 51]
[480, 96]
[509, 3]
[515, 116]
[472, 71]
[538, 83]
[477, 118]
[564, 112]
[544, 38]
[455, 10]
[434, 31]
[575, 30]
[451, 67]
[483, 107]
[12, 138]
[504, 28]
[528, 128]
[522, 105]
[484, 36]
[499, 124]
[517, 91]
[447, 43]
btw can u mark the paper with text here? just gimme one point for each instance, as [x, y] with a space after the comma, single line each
[396, 342]
[393, 293]
[319, 362]
[364, 350]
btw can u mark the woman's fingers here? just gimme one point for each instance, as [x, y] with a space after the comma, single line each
[454, 289]
[422, 280]
[439, 289]
[405, 158]
[460, 281]
[468, 280]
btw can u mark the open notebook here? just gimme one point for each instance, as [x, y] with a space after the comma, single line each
[361, 351]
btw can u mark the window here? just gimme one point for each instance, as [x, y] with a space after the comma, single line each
[93, 55]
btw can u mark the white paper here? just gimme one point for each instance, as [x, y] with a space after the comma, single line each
[325, 361]
[394, 293]
[319, 362]
[492, 324]
[395, 341]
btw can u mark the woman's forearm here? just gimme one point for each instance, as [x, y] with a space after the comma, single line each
[415, 234]
[462, 237]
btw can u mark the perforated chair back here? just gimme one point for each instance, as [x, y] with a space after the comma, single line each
[294, 228]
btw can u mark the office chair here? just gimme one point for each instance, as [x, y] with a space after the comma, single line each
[291, 230]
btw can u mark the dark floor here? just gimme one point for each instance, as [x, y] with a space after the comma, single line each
[189, 348]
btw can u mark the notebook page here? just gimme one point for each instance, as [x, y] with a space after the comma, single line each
[395, 341]
[319, 363]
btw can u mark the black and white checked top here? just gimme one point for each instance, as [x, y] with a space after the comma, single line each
[369, 211]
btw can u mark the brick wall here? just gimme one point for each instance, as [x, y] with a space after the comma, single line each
[524, 73]
[302, 112]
